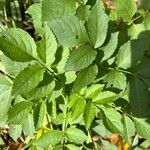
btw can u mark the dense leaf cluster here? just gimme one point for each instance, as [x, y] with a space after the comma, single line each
[85, 73]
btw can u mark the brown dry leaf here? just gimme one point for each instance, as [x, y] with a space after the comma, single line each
[15, 146]
[118, 141]
[109, 4]
[115, 139]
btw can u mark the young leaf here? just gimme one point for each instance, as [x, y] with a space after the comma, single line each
[15, 131]
[85, 77]
[69, 30]
[19, 112]
[104, 97]
[17, 45]
[47, 47]
[75, 135]
[97, 25]
[110, 48]
[80, 58]
[116, 79]
[52, 137]
[27, 79]
[57, 9]
[130, 53]
[28, 126]
[125, 9]
[89, 114]
[142, 127]
[112, 120]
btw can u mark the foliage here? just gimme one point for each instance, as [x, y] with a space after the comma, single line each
[81, 78]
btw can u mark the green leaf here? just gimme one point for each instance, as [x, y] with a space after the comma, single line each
[17, 45]
[83, 12]
[61, 65]
[28, 126]
[139, 98]
[57, 9]
[80, 58]
[74, 102]
[39, 115]
[27, 79]
[129, 129]
[52, 137]
[110, 48]
[143, 68]
[72, 147]
[142, 127]
[85, 77]
[104, 97]
[145, 4]
[43, 90]
[15, 131]
[147, 22]
[130, 53]
[93, 90]
[69, 30]
[5, 94]
[70, 77]
[19, 112]
[112, 120]
[36, 13]
[100, 129]
[12, 67]
[135, 30]
[89, 114]
[116, 79]
[97, 25]
[75, 135]
[125, 9]
[47, 47]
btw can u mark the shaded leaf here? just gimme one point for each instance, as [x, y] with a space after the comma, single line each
[85, 77]
[19, 112]
[110, 48]
[97, 25]
[27, 79]
[80, 58]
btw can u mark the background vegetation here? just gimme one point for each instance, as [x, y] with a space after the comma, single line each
[75, 74]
